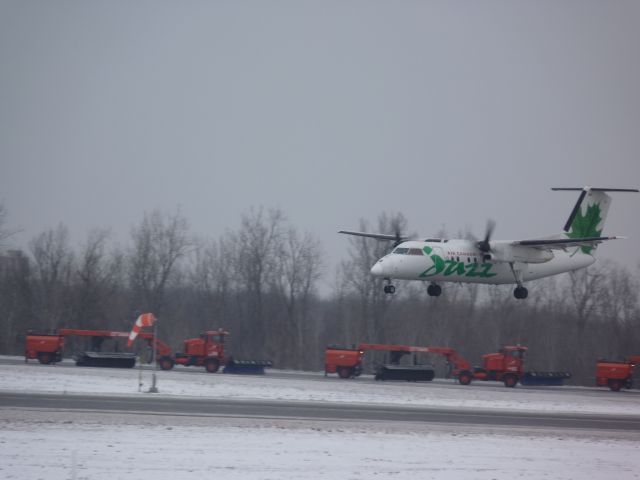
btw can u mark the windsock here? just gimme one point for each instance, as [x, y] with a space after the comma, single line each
[144, 320]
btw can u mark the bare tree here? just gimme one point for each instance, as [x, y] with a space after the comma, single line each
[363, 253]
[581, 289]
[5, 232]
[300, 269]
[159, 242]
[16, 302]
[53, 259]
[95, 282]
[255, 266]
[212, 283]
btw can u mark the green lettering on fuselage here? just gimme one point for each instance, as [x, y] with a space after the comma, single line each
[485, 271]
[453, 267]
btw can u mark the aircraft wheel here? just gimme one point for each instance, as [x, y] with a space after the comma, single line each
[434, 290]
[390, 289]
[520, 293]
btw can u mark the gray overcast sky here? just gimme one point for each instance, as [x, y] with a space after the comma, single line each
[449, 111]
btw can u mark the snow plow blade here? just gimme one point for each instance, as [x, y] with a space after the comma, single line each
[410, 373]
[545, 378]
[247, 367]
[109, 360]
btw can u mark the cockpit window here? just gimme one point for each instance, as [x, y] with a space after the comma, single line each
[401, 251]
[415, 251]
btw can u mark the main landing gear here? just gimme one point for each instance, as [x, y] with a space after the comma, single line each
[434, 290]
[520, 292]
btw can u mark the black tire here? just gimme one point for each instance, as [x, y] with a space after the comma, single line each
[434, 290]
[510, 381]
[615, 385]
[465, 378]
[345, 372]
[45, 358]
[212, 365]
[166, 363]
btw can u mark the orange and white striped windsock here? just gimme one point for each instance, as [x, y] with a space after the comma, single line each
[144, 320]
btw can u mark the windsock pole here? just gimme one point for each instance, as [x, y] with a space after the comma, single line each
[154, 388]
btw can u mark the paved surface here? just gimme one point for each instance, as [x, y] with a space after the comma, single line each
[152, 405]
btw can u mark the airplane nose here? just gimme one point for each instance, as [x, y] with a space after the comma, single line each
[377, 269]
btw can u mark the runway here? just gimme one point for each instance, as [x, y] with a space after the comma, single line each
[148, 404]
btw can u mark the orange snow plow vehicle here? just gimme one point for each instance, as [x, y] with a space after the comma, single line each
[48, 348]
[207, 350]
[505, 366]
[616, 374]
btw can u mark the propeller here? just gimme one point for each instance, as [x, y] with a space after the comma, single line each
[399, 238]
[484, 245]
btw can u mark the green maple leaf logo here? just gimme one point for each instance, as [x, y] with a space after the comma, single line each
[586, 225]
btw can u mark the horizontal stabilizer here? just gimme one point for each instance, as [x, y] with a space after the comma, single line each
[579, 189]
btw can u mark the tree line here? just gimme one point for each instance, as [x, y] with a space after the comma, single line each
[260, 282]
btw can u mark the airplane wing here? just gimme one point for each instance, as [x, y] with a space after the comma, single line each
[378, 236]
[560, 243]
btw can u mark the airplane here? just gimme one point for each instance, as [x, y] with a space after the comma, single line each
[498, 262]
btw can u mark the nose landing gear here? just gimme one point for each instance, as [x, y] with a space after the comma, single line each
[388, 288]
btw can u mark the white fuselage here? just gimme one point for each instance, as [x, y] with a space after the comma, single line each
[462, 261]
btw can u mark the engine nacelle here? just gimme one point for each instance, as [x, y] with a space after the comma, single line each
[518, 253]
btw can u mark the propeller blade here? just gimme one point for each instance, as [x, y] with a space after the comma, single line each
[399, 239]
[484, 245]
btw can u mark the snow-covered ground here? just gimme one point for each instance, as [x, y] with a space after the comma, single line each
[317, 388]
[56, 445]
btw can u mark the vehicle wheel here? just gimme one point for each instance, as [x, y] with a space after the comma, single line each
[464, 379]
[212, 365]
[615, 385]
[510, 381]
[344, 372]
[166, 363]
[44, 358]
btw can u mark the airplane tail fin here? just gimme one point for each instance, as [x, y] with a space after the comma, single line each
[589, 213]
